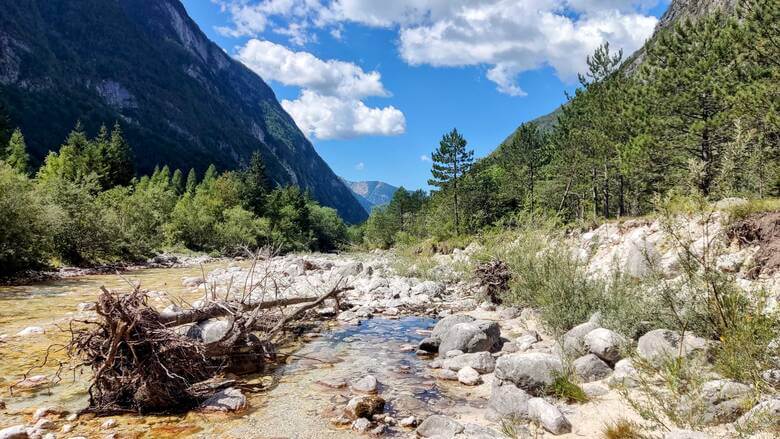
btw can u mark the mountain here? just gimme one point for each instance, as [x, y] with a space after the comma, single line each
[678, 10]
[180, 99]
[371, 193]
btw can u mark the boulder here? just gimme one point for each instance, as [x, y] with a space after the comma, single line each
[429, 288]
[531, 372]
[548, 416]
[192, 282]
[574, 339]
[594, 390]
[477, 336]
[364, 407]
[351, 269]
[507, 401]
[438, 426]
[482, 362]
[605, 344]
[509, 313]
[765, 414]
[367, 384]
[591, 368]
[15, 432]
[469, 376]
[661, 344]
[444, 325]
[209, 331]
[625, 374]
[226, 400]
[474, 431]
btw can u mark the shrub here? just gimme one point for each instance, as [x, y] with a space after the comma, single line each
[27, 224]
[566, 389]
[240, 230]
[622, 429]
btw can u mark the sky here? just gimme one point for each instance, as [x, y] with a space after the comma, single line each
[374, 84]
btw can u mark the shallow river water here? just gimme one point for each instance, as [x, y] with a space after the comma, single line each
[294, 405]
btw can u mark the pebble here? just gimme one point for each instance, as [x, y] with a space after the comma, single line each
[30, 330]
[469, 376]
[367, 384]
[109, 424]
[408, 422]
[361, 425]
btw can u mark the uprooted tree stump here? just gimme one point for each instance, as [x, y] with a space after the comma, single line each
[494, 277]
[143, 362]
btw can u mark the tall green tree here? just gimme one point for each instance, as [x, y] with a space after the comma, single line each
[177, 182]
[192, 182]
[451, 160]
[16, 153]
[119, 159]
[526, 155]
[255, 185]
[5, 126]
[210, 175]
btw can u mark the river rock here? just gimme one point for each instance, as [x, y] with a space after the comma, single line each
[548, 416]
[361, 425]
[765, 414]
[429, 344]
[444, 325]
[591, 368]
[507, 401]
[686, 434]
[605, 344]
[725, 400]
[531, 371]
[468, 376]
[438, 426]
[593, 390]
[447, 374]
[15, 432]
[625, 374]
[108, 424]
[429, 288]
[192, 282]
[367, 384]
[482, 362]
[226, 400]
[86, 306]
[574, 339]
[474, 431]
[30, 330]
[661, 344]
[477, 336]
[408, 422]
[209, 331]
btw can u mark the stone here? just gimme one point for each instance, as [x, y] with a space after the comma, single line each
[524, 342]
[226, 400]
[482, 362]
[438, 426]
[508, 313]
[15, 432]
[350, 269]
[593, 390]
[548, 416]
[453, 353]
[444, 325]
[507, 401]
[474, 431]
[429, 344]
[86, 306]
[446, 374]
[469, 376]
[192, 282]
[625, 374]
[378, 430]
[408, 422]
[43, 424]
[108, 424]
[361, 425]
[391, 312]
[364, 406]
[591, 368]
[209, 331]
[509, 347]
[574, 339]
[347, 316]
[367, 384]
[532, 372]
[605, 344]
[772, 377]
[333, 383]
[686, 434]
[30, 330]
[477, 336]
[765, 414]
[661, 344]
[429, 288]
[67, 428]
[42, 412]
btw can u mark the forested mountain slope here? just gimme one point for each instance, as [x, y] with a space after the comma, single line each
[179, 98]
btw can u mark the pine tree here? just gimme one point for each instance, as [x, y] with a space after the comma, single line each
[177, 181]
[255, 185]
[5, 127]
[450, 162]
[16, 153]
[210, 175]
[525, 154]
[119, 157]
[192, 182]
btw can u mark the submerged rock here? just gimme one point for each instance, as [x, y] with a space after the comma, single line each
[438, 426]
[367, 384]
[364, 406]
[226, 400]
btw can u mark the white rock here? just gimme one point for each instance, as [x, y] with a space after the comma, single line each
[469, 376]
[605, 344]
[548, 416]
[30, 330]
[108, 424]
[367, 384]
[15, 432]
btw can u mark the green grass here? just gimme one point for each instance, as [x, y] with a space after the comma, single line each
[567, 390]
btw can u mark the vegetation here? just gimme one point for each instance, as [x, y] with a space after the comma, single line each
[700, 116]
[84, 206]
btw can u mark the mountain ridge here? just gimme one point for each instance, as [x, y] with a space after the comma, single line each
[371, 193]
[181, 100]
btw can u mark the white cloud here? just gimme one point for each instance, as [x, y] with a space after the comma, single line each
[425, 158]
[335, 117]
[333, 78]
[509, 37]
[360, 166]
[330, 105]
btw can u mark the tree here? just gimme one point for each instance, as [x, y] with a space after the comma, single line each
[16, 153]
[526, 155]
[450, 162]
[177, 182]
[119, 159]
[255, 185]
[210, 175]
[192, 182]
[5, 126]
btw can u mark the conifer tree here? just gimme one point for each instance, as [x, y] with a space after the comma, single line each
[5, 126]
[192, 182]
[177, 181]
[119, 157]
[16, 153]
[450, 162]
[210, 175]
[255, 185]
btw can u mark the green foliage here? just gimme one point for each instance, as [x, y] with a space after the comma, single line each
[450, 162]
[289, 216]
[27, 224]
[255, 185]
[564, 388]
[16, 153]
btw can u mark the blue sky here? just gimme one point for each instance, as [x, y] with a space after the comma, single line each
[375, 83]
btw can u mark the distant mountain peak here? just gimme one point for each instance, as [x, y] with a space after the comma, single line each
[371, 194]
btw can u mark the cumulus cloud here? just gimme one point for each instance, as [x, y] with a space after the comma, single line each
[334, 117]
[425, 158]
[509, 37]
[360, 166]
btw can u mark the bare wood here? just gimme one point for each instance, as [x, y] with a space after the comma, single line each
[221, 309]
[333, 293]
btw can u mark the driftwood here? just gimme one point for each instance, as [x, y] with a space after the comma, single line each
[142, 362]
[494, 277]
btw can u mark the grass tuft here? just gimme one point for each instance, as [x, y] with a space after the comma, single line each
[622, 429]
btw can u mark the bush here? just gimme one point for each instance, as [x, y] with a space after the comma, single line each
[27, 224]
[240, 230]
[329, 230]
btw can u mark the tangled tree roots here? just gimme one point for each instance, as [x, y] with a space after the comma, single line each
[494, 277]
[138, 364]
